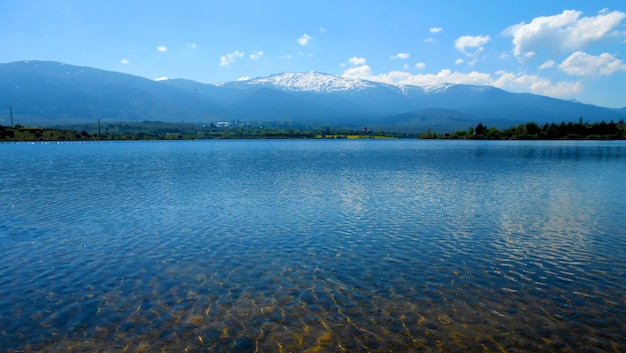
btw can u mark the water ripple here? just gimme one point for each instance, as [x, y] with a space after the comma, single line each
[318, 246]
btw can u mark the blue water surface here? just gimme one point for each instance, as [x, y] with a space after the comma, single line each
[375, 245]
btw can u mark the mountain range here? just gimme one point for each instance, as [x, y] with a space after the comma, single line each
[51, 93]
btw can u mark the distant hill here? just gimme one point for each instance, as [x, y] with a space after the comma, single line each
[49, 93]
[52, 93]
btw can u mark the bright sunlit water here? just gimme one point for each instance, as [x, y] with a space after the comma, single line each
[329, 246]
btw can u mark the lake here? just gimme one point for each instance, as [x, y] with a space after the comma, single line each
[320, 246]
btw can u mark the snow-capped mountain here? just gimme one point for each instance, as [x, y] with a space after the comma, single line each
[49, 93]
[318, 82]
[307, 82]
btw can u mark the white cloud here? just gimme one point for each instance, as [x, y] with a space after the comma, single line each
[322, 29]
[400, 56]
[474, 42]
[406, 78]
[356, 61]
[124, 61]
[229, 58]
[288, 56]
[459, 61]
[536, 84]
[304, 40]
[420, 66]
[162, 78]
[428, 40]
[548, 64]
[435, 29]
[562, 32]
[192, 45]
[583, 64]
[443, 76]
[256, 54]
[161, 48]
[504, 80]
[243, 78]
[363, 71]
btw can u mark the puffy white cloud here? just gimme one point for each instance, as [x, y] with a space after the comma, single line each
[356, 61]
[565, 31]
[459, 61]
[561, 89]
[162, 78]
[406, 78]
[363, 71]
[435, 29]
[583, 64]
[124, 62]
[474, 42]
[304, 40]
[448, 76]
[229, 58]
[243, 78]
[505, 80]
[548, 64]
[256, 54]
[591, 29]
[420, 65]
[161, 48]
[536, 84]
[400, 56]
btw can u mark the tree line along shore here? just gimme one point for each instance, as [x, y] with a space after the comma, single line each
[150, 130]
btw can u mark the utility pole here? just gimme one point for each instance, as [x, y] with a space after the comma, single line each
[11, 113]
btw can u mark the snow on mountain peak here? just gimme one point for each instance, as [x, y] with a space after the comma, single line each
[317, 82]
[442, 87]
[312, 82]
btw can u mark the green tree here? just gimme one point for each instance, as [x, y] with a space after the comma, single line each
[532, 128]
[493, 134]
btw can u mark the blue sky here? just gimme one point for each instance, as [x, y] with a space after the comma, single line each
[567, 49]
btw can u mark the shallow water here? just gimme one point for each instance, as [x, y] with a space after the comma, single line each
[313, 246]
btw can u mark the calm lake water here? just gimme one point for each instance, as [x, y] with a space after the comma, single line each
[320, 246]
